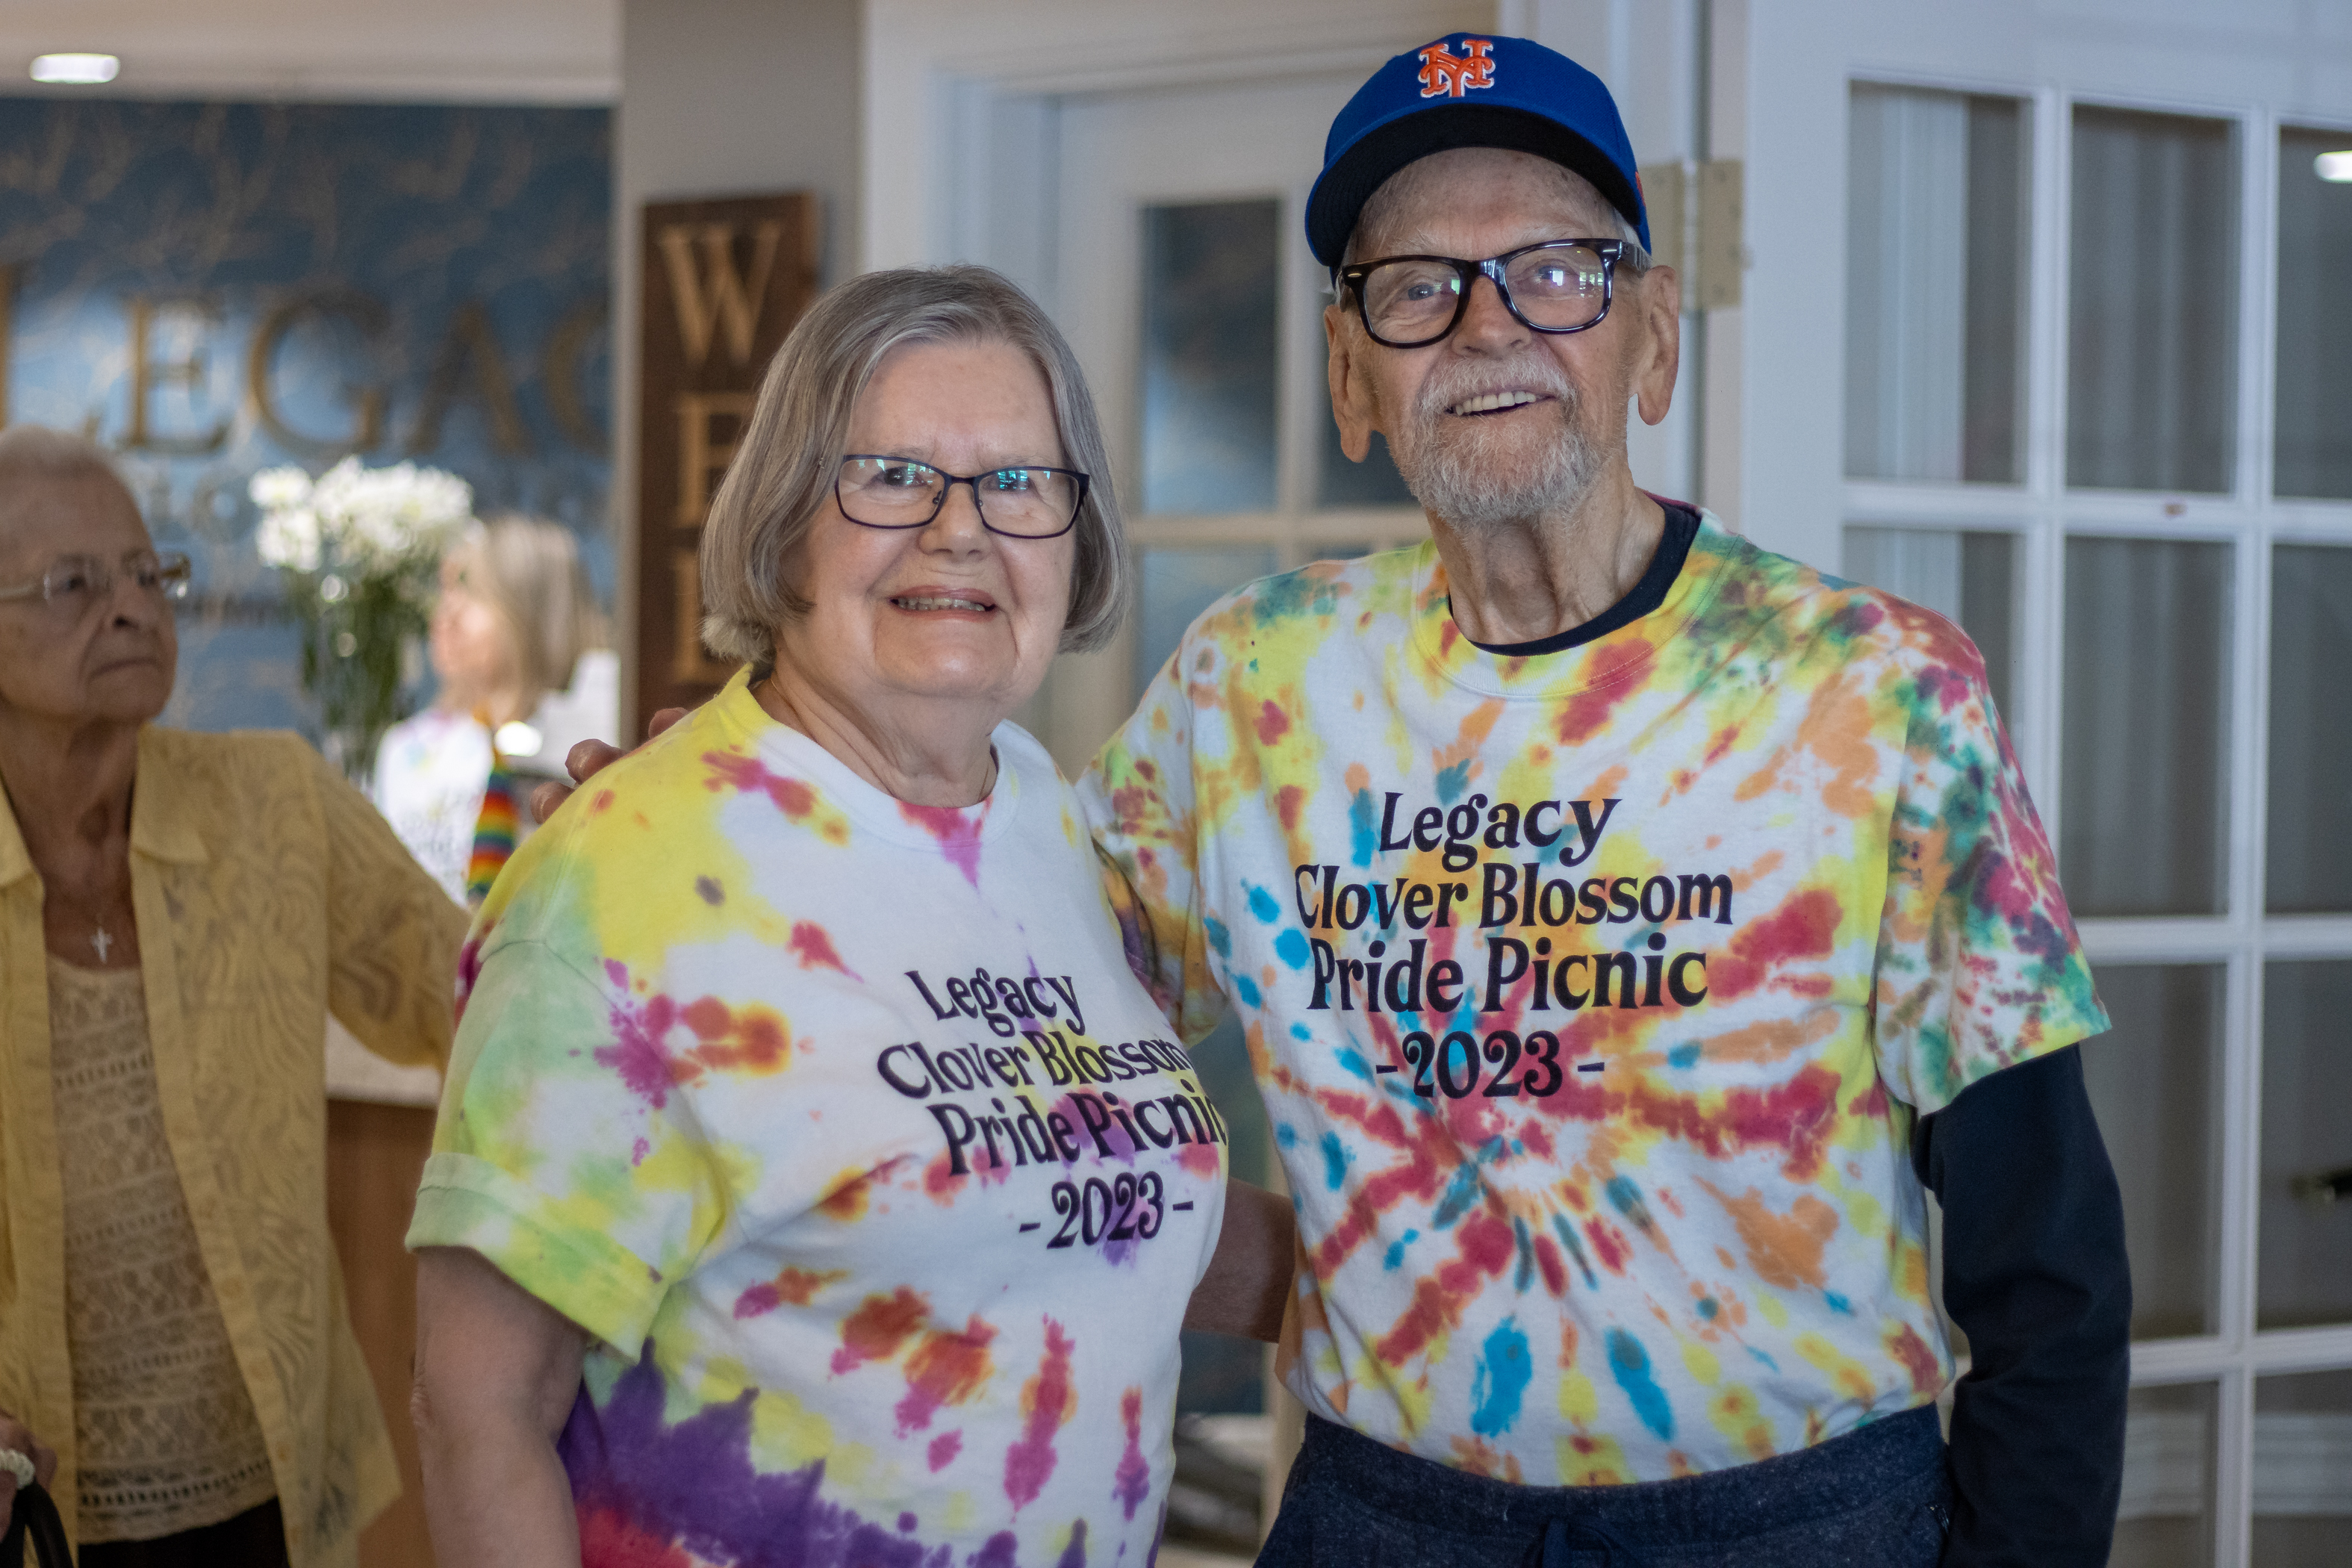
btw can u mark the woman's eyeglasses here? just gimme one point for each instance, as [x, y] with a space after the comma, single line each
[876, 492]
[73, 583]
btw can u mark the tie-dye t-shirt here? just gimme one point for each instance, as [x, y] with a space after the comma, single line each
[845, 1129]
[1593, 992]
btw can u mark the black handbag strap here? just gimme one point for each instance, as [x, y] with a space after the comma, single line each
[33, 1518]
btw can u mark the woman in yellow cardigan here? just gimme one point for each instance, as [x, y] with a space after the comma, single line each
[178, 915]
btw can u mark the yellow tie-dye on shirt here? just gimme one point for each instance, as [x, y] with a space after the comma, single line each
[845, 1129]
[1607, 1184]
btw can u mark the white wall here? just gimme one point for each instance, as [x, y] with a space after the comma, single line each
[418, 51]
[722, 98]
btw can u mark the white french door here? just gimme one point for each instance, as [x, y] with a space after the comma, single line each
[2084, 307]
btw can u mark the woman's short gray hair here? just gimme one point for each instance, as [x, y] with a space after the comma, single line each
[790, 450]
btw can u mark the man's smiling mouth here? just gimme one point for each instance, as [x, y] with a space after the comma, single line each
[1495, 402]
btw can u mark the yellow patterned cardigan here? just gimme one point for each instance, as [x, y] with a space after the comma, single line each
[269, 893]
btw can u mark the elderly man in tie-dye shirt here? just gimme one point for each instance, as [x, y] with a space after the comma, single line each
[1629, 926]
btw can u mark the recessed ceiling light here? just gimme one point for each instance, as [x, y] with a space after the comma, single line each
[76, 67]
[2335, 166]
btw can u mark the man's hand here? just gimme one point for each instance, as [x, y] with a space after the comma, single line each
[14, 1434]
[585, 761]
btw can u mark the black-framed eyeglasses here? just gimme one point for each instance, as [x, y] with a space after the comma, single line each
[875, 490]
[73, 583]
[1551, 286]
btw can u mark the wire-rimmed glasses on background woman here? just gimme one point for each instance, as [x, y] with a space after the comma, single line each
[74, 584]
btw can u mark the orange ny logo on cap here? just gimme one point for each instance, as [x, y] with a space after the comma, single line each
[1444, 74]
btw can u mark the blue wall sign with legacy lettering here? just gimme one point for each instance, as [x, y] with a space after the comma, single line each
[210, 290]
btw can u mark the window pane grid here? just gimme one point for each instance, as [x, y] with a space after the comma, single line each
[2242, 936]
[2152, 1083]
[2153, 295]
[2311, 391]
[2146, 801]
[2307, 854]
[1936, 283]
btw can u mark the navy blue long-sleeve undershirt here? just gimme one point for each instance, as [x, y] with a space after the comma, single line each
[2035, 1275]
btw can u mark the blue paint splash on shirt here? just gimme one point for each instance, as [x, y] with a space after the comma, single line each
[1219, 937]
[1626, 1198]
[1568, 1240]
[1360, 821]
[1246, 989]
[1335, 1162]
[1459, 1195]
[1291, 948]
[1504, 1368]
[1395, 1254]
[1680, 1057]
[1630, 1365]
[1452, 781]
[1262, 904]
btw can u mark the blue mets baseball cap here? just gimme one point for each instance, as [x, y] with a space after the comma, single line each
[1470, 90]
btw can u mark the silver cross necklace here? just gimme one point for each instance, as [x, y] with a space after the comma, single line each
[101, 940]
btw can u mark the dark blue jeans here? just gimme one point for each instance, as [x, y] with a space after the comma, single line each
[1877, 1498]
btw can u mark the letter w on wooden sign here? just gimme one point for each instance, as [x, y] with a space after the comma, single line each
[723, 281]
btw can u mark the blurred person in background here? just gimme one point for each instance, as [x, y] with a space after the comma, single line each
[179, 914]
[512, 647]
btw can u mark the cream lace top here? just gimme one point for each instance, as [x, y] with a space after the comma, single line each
[167, 1435]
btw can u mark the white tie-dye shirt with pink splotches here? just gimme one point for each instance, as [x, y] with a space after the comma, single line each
[844, 1128]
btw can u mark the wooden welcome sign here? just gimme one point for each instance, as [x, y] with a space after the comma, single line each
[723, 280]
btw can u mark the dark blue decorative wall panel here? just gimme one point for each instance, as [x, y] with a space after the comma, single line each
[213, 288]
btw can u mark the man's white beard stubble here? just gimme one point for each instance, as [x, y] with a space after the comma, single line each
[1479, 479]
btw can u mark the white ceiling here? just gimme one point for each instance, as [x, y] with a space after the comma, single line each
[555, 51]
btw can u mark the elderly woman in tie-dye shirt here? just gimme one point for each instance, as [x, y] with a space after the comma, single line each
[815, 1183]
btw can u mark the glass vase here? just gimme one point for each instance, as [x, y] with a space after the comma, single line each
[353, 631]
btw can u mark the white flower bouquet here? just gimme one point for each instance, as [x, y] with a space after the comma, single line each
[359, 551]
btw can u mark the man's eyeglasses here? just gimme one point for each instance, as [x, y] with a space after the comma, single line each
[1551, 286]
[73, 583]
[876, 492]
